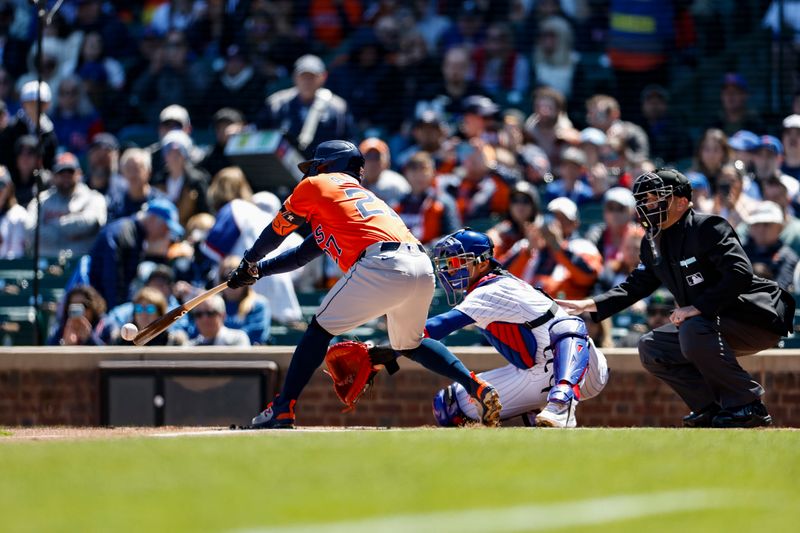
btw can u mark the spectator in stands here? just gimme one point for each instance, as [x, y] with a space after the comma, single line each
[467, 30]
[791, 146]
[742, 144]
[209, 318]
[629, 143]
[428, 212]
[378, 83]
[764, 246]
[290, 110]
[13, 219]
[83, 308]
[711, 154]
[477, 120]
[14, 51]
[570, 180]
[103, 164]
[617, 267]
[378, 177]
[554, 257]
[94, 57]
[602, 112]
[728, 200]
[174, 15]
[499, 69]
[75, 120]
[181, 181]
[173, 117]
[126, 242]
[735, 114]
[226, 122]
[669, 141]
[71, 212]
[554, 59]
[660, 306]
[136, 170]
[549, 121]
[481, 192]
[24, 123]
[767, 159]
[775, 191]
[148, 305]
[23, 173]
[429, 133]
[171, 78]
[245, 309]
[524, 208]
[332, 22]
[618, 222]
[455, 86]
[161, 278]
[237, 84]
[90, 16]
[104, 79]
[639, 52]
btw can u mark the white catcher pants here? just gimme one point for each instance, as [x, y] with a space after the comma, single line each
[522, 391]
[398, 284]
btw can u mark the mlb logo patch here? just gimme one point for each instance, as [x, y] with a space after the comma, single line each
[694, 279]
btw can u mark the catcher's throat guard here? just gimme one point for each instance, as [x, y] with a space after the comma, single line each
[352, 366]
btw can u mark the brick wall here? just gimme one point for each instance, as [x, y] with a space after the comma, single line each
[41, 387]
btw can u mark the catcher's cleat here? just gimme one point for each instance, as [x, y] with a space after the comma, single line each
[487, 401]
[557, 415]
[275, 417]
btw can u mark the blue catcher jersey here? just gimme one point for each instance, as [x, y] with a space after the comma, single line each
[500, 305]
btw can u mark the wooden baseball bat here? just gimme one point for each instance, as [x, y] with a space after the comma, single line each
[153, 329]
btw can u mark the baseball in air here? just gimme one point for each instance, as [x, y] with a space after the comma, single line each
[128, 331]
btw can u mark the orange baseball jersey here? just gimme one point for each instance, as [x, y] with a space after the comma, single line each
[345, 217]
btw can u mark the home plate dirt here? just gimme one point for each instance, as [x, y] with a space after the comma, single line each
[11, 434]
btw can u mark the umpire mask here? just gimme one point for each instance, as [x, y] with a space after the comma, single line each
[653, 192]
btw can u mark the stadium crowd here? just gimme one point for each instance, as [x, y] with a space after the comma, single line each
[527, 119]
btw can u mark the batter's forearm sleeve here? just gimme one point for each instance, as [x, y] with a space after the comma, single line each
[291, 259]
[442, 325]
[266, 242]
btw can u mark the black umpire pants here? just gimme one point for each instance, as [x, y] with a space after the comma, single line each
[698, 359]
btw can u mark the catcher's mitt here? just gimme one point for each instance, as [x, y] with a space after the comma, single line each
[352, 365]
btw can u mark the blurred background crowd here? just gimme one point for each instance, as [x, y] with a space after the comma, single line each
[527, 119]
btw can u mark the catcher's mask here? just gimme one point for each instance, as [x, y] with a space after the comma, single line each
[334, 156]
[452, 256]
[653, 192]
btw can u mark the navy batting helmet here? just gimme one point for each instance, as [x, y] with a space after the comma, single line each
[334, 156]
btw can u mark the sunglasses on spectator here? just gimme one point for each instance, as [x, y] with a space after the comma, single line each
[145, 308]
[201, 314]
[521, 200]
[659, 312]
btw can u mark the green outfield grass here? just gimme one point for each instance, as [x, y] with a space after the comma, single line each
[415, 480]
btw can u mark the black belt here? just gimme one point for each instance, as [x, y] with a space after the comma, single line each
[533, 324]
[387, 246]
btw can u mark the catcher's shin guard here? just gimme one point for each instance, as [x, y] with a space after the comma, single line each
[570, 343]
[446, 410]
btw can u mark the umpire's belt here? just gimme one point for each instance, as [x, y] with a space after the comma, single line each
[387, 246]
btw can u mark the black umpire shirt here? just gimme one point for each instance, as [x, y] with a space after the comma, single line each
[703, 264]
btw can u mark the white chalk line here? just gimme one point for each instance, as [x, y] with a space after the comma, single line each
[533, 517]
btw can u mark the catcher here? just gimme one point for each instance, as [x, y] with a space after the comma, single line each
[387, 272]
[552, 361]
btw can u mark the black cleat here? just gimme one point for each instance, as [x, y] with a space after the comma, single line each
[701, 418]
[752, 415]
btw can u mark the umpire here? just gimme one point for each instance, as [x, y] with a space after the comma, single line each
[723, 311]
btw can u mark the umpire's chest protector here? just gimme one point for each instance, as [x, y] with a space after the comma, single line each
[703, 264]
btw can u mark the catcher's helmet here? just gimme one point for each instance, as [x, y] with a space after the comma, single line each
[334, 156]
[653, 192]
[453, 254]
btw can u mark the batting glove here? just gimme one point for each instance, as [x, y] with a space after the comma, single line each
[245, 274]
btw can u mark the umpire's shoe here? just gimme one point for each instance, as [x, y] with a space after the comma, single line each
[752, 415]
[701, 418]
[487, 401]
[275, 416]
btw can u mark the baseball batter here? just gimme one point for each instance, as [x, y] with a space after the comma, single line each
[387, 272]
[553, 362]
